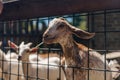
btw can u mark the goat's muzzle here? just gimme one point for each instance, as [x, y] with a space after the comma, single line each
[19, 58]
[45, 37]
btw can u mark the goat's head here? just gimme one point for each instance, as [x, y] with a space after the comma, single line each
[59, 29]
[23, 50]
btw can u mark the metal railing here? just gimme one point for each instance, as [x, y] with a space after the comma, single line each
[31, 30]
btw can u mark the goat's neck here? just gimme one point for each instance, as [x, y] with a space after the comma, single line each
[25, 58]
[25, 65]
[71, 51]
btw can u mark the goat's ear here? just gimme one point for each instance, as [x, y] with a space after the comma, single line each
[29, 44]
[12, 45]
[33, 50]
[81, 33]
[22, 43]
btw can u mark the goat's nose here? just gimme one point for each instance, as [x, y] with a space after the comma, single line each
[19, 58]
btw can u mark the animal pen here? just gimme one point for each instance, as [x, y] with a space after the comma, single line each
[26, 20]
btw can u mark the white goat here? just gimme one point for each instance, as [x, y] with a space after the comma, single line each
[112, 55]
[11, 55]
[114, 67]
[35, 68]
[10, 68]
[76, 55]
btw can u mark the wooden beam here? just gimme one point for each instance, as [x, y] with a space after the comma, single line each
[23, 9]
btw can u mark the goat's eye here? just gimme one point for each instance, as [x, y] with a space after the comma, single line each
[60, 26]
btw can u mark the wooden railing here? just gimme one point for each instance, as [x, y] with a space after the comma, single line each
[23, 9]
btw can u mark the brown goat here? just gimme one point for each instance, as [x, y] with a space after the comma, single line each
[76, 55]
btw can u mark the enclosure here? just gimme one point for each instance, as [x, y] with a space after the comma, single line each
[26, 20]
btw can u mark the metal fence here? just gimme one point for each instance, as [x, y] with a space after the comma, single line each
[104, 23]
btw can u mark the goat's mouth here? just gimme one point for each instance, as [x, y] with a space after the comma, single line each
[19, 58]
[48, 40]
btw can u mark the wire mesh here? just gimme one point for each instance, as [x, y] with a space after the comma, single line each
[31, 30]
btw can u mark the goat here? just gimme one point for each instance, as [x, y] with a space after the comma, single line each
[76, 55]
[114, 67]
[113, 55]
[9, 68]
[34, 66]
[11, 55]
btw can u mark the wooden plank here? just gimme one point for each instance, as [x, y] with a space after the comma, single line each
[23, 9]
